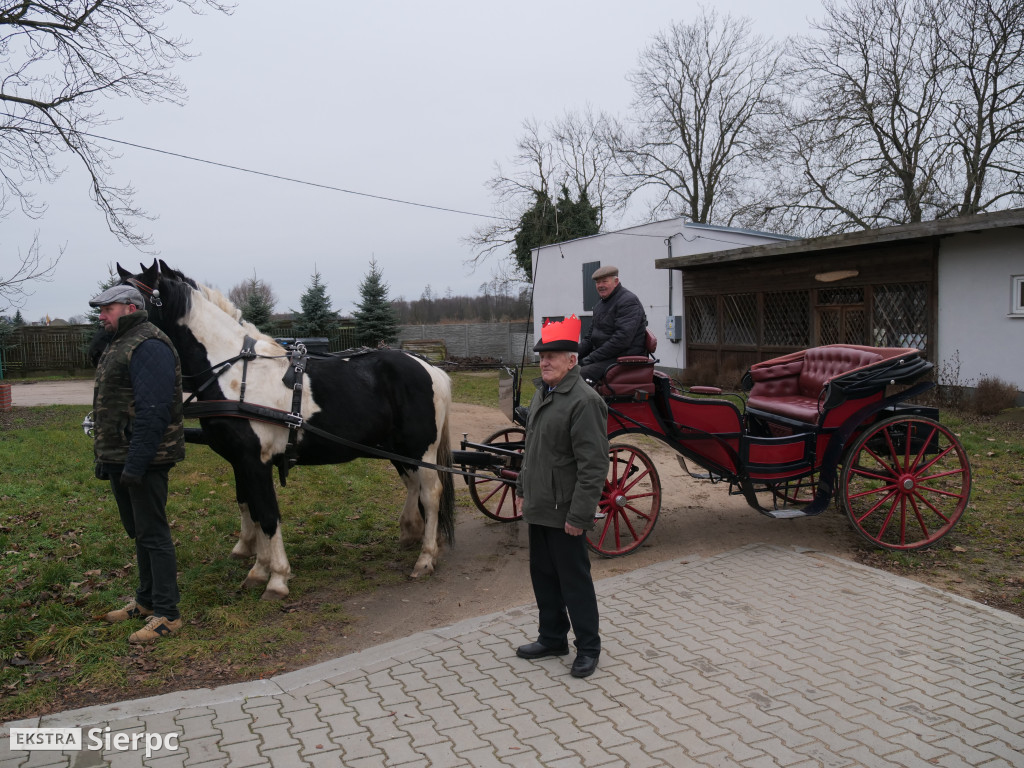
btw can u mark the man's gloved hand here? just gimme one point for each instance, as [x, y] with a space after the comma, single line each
[130, 480]
[101, 473]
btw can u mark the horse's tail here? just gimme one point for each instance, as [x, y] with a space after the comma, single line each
[446, 509]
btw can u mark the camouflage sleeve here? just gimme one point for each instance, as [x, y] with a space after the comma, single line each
[152, 374]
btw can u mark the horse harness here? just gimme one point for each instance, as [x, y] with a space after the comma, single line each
[298, 359]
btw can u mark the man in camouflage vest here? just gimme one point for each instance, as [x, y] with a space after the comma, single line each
[139, 434]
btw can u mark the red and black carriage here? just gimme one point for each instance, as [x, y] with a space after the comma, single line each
[831, 422]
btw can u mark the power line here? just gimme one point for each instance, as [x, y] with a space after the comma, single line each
[266, 174]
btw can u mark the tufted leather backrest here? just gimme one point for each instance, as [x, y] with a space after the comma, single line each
[824, 363]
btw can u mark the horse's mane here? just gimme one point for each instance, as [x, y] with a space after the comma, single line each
[220, 302]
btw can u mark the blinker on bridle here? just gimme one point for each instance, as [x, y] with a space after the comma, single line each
[153, 293]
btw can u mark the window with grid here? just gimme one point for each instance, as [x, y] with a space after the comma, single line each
[900, 315]
[739, 319]
[787, 319]
[702, 320]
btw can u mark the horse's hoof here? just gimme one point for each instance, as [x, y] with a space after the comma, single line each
[235, 555]
[408, 543]
[252, 582]
[273, 595]
[421, 570]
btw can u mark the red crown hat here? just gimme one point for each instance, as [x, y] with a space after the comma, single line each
[560, 336]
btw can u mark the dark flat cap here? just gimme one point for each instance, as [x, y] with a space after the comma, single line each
[607, 271]
[119, 294]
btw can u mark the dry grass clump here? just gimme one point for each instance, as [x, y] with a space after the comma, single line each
[993, 395]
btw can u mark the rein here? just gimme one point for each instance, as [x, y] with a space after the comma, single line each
[293, 419]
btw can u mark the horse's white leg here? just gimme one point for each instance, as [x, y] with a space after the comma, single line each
[280, 570]
[411, 523]
[259, 574]
[245, 547]
[430, 499]
[271, 566]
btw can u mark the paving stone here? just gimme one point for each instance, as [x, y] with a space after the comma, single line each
[833, 664]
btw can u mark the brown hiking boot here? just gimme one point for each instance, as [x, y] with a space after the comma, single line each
[157, 627]
[131, 611]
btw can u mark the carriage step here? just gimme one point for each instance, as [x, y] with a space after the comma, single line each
[786, 512]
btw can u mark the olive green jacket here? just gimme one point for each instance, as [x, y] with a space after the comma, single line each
[565, 461]
[118, 437]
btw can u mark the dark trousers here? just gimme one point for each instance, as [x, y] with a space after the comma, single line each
[144, 518]
[564, 589]
[595, 371]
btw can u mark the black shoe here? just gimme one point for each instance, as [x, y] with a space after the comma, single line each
[584, 666]
[540, 651]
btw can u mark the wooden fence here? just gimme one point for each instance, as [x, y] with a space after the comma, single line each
[37, 349]
[34, 350]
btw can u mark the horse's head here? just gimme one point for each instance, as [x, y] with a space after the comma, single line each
[166, 291]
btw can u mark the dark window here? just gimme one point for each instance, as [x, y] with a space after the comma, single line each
[590, 295]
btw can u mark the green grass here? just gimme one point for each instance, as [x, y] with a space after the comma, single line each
[66, 560]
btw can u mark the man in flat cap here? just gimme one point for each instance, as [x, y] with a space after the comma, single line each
[139, 436]
[618, 327]
[565, 463]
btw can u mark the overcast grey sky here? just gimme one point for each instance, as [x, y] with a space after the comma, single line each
[406, 100]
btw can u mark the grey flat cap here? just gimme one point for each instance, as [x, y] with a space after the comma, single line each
[119, 294]
[608, 271]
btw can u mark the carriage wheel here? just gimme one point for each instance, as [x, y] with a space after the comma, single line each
[905, 482]
[495, 496]
[629, 505]
[799, 491]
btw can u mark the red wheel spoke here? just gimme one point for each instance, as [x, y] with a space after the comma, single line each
[915, 494]
[631, 500]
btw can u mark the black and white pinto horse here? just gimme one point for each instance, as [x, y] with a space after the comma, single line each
[384, 399]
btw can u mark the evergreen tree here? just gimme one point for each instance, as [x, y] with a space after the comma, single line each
[257, 310]
[547, 223]
[375, 319]
[18, 319]
[316, 318]
[111, 280]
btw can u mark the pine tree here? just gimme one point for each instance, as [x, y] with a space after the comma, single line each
[258, 310]
[316, 318]
[18, 319]
[548, 222]
[376, 324]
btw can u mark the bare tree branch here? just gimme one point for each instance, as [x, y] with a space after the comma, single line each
[705, 97]
[58, 59]
[573, 151]
[29, 266]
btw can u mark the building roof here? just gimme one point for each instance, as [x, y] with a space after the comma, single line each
[902, 233]
[680, 222]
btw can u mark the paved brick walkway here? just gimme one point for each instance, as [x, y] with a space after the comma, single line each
[757, 657]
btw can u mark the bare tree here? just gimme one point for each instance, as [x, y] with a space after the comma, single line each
[986, 47]
[705, 96]
[59, 59]
[574, 152]
[29, 266]
[906, 110]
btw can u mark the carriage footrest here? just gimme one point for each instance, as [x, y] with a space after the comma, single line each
[786, 512]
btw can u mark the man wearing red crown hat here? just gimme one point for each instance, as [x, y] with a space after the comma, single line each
[565, 463]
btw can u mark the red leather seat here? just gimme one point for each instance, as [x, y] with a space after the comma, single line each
[631, 373]
[794, 386]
